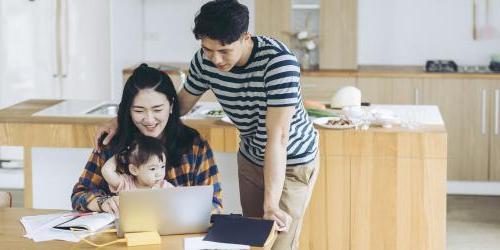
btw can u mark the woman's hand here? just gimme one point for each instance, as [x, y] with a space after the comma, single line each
[107, 131]
[110, 205]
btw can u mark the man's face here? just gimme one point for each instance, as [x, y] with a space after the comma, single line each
[224, 57]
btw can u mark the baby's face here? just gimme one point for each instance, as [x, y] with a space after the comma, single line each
[152, 172]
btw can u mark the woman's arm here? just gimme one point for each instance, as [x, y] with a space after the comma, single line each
[90, 185]
[207, 173]
[109, 173]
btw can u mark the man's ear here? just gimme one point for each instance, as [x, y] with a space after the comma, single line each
[133, 169]
[246, 36]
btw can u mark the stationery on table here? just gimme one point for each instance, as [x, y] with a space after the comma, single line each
[236, 229]
[57, 226]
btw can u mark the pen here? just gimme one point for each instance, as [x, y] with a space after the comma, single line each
[77, 214]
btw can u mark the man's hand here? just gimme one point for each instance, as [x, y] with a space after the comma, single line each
[110, 205]
[109, 130]
[282, 218]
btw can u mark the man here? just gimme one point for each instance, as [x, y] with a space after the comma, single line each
[256, 80]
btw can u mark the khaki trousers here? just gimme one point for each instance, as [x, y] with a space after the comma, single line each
[297, 190]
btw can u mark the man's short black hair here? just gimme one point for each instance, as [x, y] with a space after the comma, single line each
[222, 20]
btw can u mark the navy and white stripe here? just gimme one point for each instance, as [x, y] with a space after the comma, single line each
[271, 78]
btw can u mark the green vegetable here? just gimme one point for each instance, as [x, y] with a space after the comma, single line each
[320, 113]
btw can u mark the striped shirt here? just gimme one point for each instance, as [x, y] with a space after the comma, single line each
[271, 78]
[197, 168]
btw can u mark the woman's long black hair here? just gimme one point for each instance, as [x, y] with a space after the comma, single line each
[177, 137]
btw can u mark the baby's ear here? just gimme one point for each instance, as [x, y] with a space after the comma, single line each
[133, 169]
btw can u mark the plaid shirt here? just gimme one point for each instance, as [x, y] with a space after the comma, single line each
[197, 168]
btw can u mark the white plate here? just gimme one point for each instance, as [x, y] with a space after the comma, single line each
[324, 120]
[206, 113]
[226, 119]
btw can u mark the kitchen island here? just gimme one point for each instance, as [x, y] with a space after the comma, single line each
[377, 189]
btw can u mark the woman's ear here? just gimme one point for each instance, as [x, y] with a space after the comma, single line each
[133, 169]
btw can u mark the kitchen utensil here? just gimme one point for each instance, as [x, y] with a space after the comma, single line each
[346, 96]
[487, 31]
[474, 29]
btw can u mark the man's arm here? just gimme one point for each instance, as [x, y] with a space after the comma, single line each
[186, 101]
[278, 121]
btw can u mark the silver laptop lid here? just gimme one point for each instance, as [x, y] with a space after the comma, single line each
[178, 210]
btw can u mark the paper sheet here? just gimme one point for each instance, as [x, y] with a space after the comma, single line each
[197, 243]
[40, 228]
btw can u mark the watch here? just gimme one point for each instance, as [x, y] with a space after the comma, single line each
[101, 200]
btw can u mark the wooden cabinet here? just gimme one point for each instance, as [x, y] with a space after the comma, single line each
[388, 90]
[177, 79]
[322, 88]
[337, 29]
[378, 191]
[495, 131]
[338, 34]
[272, 18]
[465, 109]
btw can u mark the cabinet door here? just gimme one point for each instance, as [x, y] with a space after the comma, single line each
[398, 203]
[338, 34]
[272, 18]
[495, 131]
[322, 88]
[407, 91]
[379, 90]
[463, 106]
[375, 90]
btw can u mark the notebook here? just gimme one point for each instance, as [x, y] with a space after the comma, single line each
[93, 222]
[47, 226]
[236, 229]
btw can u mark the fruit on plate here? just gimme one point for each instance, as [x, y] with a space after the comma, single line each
[310, 104]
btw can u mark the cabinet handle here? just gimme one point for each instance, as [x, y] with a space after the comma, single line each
[417, 96]
[497, 104]
[483, 111]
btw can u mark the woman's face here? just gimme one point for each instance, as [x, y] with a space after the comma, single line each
[150, 111]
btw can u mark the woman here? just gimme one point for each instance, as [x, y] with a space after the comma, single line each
[149, 106]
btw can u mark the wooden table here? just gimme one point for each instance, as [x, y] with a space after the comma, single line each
[12, 231]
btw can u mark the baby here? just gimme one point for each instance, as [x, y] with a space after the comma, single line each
[141, 165]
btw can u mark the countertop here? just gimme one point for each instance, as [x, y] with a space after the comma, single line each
[383, 71]
[22, 112]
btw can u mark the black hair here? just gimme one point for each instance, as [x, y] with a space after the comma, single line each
[138, 152]
[222, 20]
[177, 137]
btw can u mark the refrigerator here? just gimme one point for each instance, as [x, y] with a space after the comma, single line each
[54, 49]
[51, 49]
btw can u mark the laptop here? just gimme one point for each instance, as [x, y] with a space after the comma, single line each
[179, 210]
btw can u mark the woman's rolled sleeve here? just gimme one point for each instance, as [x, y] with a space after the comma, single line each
[91, 184]
[208, 174]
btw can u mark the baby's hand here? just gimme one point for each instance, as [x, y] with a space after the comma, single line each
[166, 184]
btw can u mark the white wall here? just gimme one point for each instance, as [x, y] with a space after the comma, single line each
[168, 27]
[406, 32]
[127, 44]
[410, 32]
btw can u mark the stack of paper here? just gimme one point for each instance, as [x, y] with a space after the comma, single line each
[42, 227]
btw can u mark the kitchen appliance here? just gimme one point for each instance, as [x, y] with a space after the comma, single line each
[449, 66]
[441, 66]
[55, 49]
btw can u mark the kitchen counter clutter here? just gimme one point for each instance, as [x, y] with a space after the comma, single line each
[377, 188]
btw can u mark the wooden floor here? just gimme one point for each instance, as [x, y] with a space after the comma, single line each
[473, 222]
